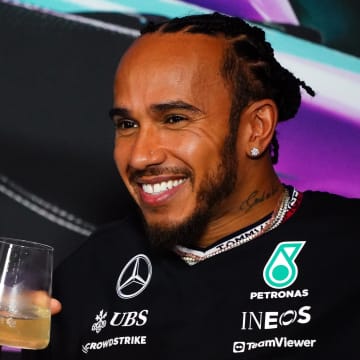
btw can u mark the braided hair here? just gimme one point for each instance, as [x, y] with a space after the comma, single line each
[249, 65]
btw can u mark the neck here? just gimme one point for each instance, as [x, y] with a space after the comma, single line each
[246, 209]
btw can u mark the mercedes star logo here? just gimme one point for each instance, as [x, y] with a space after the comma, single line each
[134, 277]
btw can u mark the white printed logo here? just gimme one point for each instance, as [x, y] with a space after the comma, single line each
[276, 342]
[274, 319]
[100, 322]
[239, 346]
[134, 277]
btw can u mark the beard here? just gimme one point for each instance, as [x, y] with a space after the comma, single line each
[216, 187]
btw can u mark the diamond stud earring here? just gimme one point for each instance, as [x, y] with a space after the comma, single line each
[254, 152]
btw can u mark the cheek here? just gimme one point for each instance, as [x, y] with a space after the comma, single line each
[187, 145]
[200, 151]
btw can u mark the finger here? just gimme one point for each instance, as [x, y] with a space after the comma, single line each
[55, 306]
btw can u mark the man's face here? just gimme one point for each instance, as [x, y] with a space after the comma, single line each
[172, 150]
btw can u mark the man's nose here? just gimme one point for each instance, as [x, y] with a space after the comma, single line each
[147, 150]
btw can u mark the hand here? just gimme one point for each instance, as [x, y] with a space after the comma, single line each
[55, 306]
[41, 299]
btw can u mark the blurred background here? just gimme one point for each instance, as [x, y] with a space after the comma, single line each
[58, 182]
[57, 61]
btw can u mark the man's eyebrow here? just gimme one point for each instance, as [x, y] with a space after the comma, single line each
[161, 107]
[174, 105]
[123, 112]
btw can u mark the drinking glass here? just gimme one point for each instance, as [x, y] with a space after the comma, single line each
[25, 290]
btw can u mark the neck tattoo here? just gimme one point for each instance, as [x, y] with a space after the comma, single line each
[283, 210]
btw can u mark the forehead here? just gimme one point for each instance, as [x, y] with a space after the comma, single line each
[177, 60]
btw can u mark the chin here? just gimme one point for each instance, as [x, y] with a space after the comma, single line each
[167, 234]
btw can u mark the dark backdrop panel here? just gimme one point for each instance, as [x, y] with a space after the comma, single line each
[56, 139]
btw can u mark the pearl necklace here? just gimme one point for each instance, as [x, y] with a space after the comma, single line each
[285, 203]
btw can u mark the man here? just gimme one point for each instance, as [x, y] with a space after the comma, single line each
[223, 261]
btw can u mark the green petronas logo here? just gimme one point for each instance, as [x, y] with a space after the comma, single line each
[281, 271]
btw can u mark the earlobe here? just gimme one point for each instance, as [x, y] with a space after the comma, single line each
[262, 123]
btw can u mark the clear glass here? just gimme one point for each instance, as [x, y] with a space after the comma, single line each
[25, 291]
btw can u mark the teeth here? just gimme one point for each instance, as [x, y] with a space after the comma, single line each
[160, 187]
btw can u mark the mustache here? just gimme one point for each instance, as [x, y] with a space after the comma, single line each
[155, 170]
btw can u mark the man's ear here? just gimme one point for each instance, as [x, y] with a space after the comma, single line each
[262, 119]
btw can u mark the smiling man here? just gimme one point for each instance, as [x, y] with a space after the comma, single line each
[174, 146]
[222, 261]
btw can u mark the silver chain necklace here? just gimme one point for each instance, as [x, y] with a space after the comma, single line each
[286, 202]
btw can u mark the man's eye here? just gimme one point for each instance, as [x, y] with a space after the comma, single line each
[124, 124]
[174, 119]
